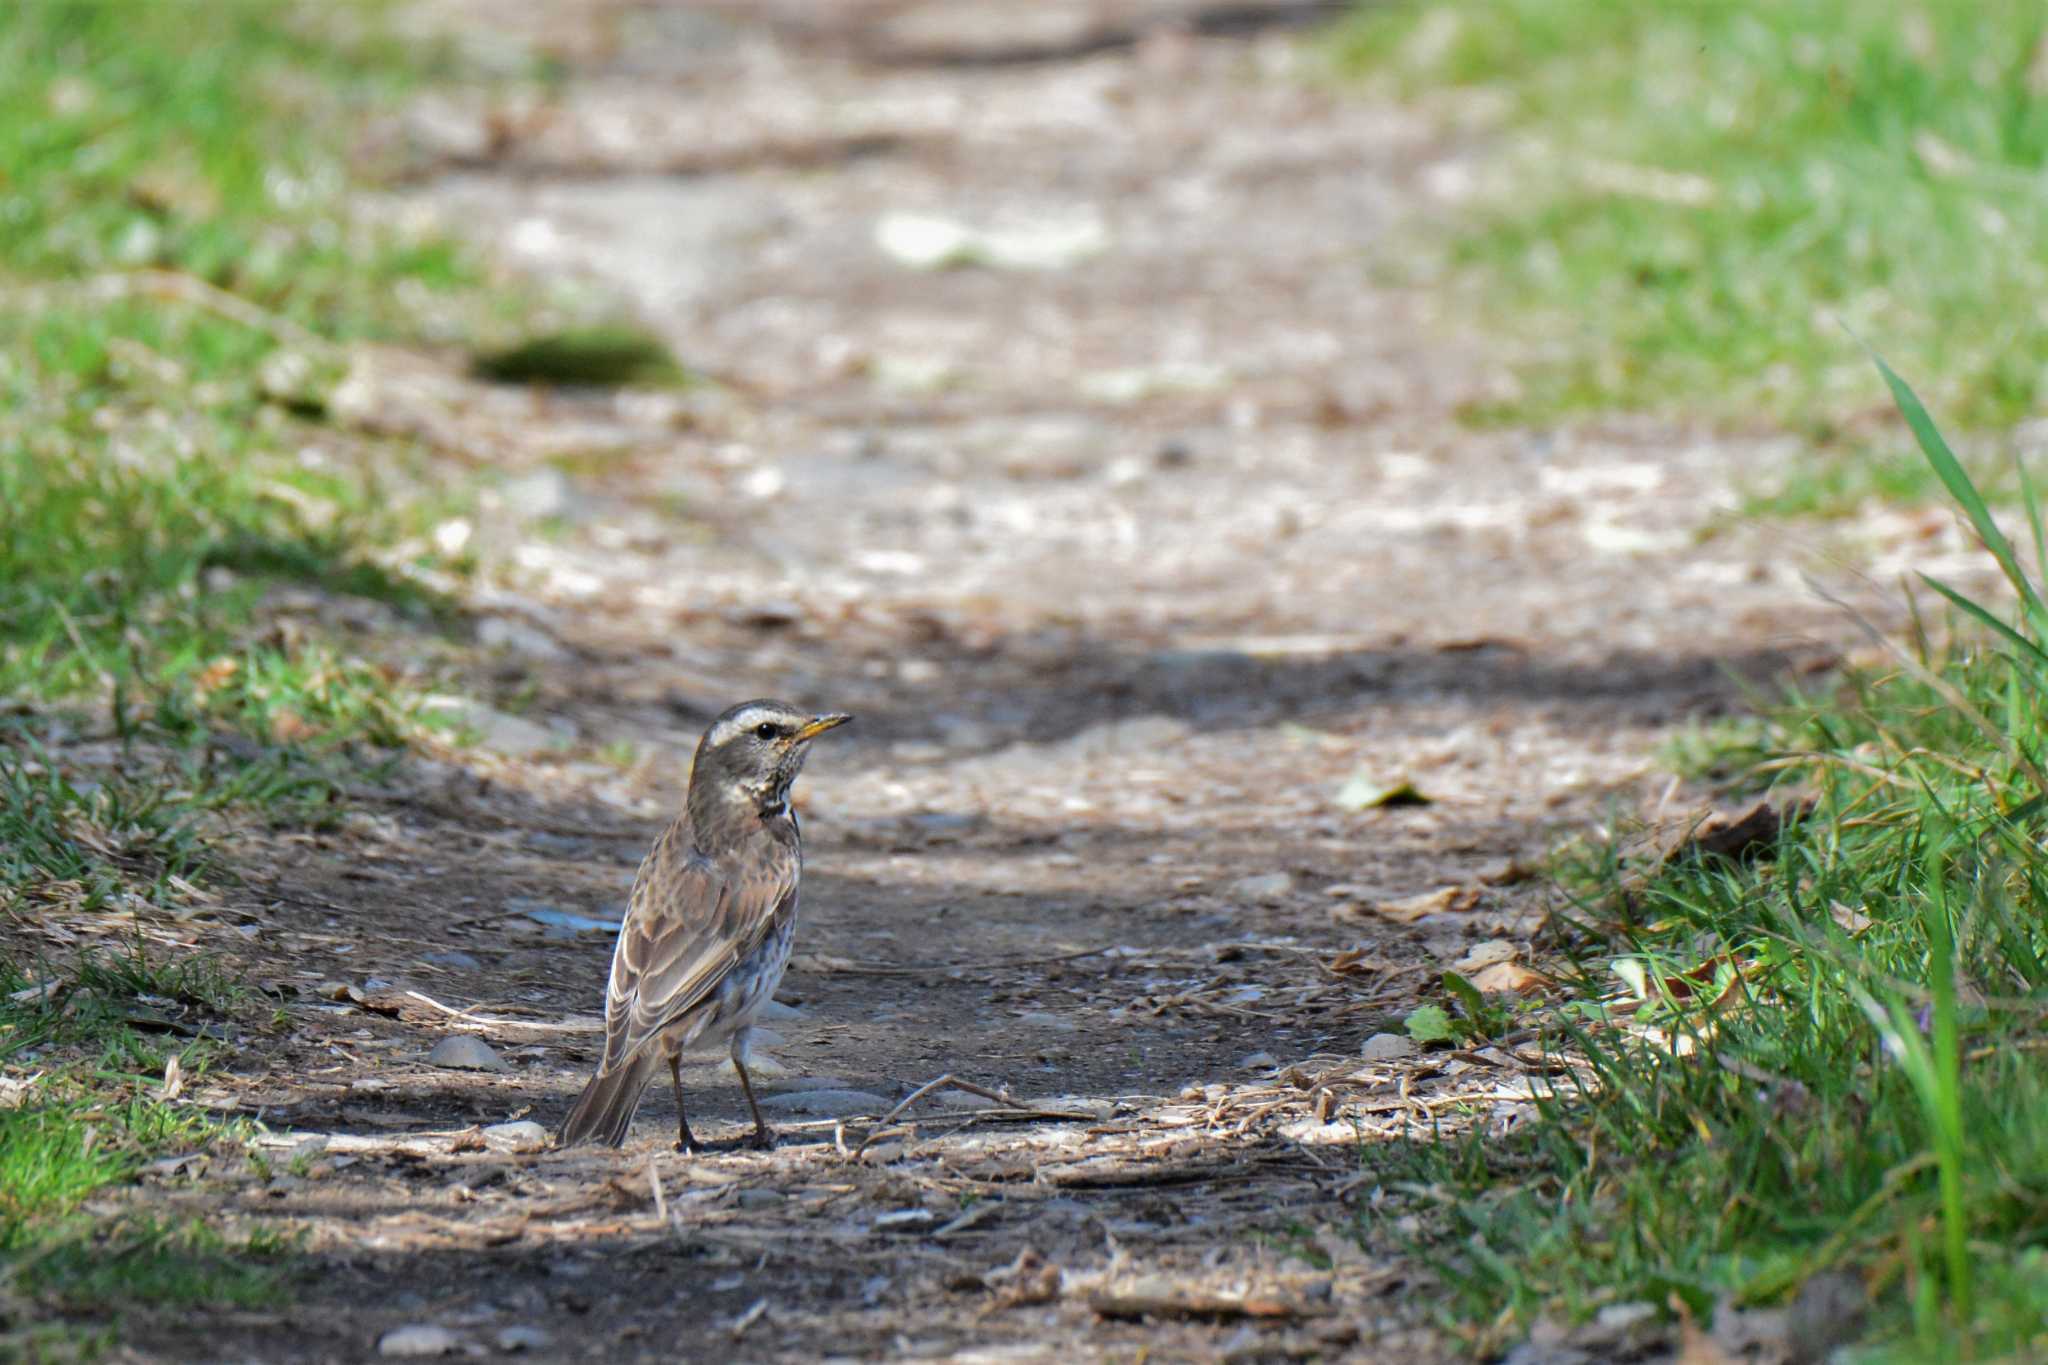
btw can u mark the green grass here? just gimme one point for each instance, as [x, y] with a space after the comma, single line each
[208, 139]
[1864, 1086]
[1696, 192]
[1841, 485]
[87, 1041]
[182, 272]
[180, 263]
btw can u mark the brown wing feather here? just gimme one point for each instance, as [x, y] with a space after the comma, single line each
[687, 925]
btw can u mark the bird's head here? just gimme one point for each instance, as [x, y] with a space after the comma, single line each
[748, 760]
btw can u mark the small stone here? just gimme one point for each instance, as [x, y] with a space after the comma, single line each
[937, 825]
[465, 1052]
[1621, 1316]
[826, 1104]
[561, 923]
[418, 1339]
[961, 1101]
[512, 1340]
[760, 1199]
[1387, 1047]
[924, 242]
[537, 495]
[524, 1136]
[1259, 1061]
[452, 959]
[1264, 889]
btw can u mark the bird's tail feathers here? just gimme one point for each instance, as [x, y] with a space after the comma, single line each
[604, 1111]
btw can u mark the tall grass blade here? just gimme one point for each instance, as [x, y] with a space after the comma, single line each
[1991, 622]
[1957, 480]
[2030, 498]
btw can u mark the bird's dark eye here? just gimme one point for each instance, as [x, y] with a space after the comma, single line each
[766, 730]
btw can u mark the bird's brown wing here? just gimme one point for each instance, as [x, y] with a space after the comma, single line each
[687, 925]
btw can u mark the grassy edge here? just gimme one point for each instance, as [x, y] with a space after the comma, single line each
[183, 269]
[1815, 1069]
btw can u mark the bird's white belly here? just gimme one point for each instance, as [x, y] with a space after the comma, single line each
[737, 1001]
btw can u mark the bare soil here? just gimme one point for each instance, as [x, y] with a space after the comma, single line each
[1127, 561]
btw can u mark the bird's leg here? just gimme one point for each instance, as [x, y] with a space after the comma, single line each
[764, 1137]
[686, 1141]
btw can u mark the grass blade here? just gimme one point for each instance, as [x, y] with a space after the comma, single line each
[1985, 618]
[1957, 480]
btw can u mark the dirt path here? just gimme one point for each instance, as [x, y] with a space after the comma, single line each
[1129, 543]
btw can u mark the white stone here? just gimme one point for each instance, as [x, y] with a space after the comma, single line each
[465, 1052]
[418, 1339]
[524, 1136]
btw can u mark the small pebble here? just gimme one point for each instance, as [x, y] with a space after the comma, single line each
[455, 959]
[524, 1136]
[1260, 1061]
[1271, 886]
[512, 1340]
[961, 1100]
[465, 1052]
[1387, 1047]
[418, 1339]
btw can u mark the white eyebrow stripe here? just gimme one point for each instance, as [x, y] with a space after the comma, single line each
[734, 726]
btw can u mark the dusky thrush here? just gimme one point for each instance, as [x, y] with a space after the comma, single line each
[709, 924]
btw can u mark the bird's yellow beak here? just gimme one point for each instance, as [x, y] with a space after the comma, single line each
[820, 725]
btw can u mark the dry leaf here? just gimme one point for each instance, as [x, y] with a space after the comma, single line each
[1719, 834]
[1447, 899]
[1506, 978]
[213, 677]
[289, 727]
[1509, 873]
[1362, 792]
[174, 1081]
[1355, 962]
[1853, 922]
[1483, 955]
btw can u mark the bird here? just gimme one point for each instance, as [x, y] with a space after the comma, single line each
[709, 923]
